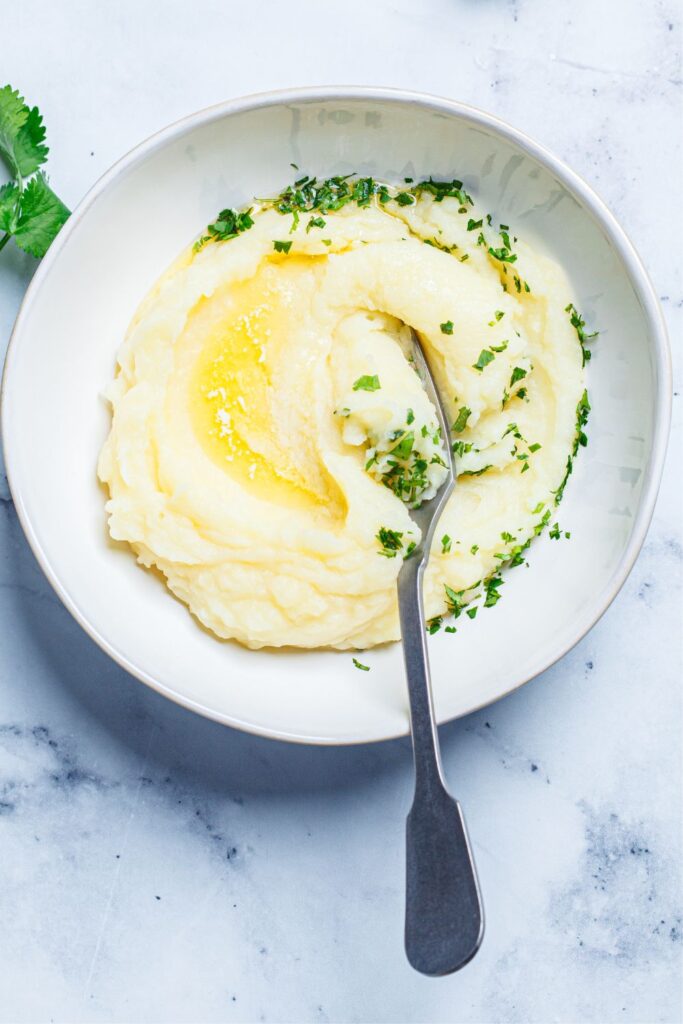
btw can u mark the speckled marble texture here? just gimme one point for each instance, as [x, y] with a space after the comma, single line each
[156, 867]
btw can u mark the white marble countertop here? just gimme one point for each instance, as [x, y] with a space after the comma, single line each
[157, 867]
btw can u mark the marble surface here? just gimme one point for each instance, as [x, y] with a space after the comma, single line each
[159, 868]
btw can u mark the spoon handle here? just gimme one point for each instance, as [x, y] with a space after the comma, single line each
[444, 916]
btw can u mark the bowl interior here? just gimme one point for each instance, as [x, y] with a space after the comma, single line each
[78, 308]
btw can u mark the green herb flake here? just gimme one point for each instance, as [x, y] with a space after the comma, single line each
[315, 222]
[491, 586]
[368, 382]
[282, 246]
[360, 665]
[447, 328]
[405, 446]
[474, 549]
[446, 543]
[391, 542]
[579, 325]
[519, 373]
[485, 357]
[461, 420]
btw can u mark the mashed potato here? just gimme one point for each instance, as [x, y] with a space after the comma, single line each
[270, 434]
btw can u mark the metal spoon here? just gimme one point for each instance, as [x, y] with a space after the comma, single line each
[444, 914]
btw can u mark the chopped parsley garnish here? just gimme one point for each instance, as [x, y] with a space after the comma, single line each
[315, 222]
[474, 549]
[282, 246]
[534, 447]
[461, 420]
[583, 409]
[405, 446]
[454, 600]
[446, 543]
[368, 382]
[360, 665]
[391, 542]
[228, 224]
[491, 586]
[410, 417]
[434, 625]
[444, 189]
[500, 348]
[554, 532]
[519, 373]
[485, 357]
[579, 325]
[474, 225]
[503, 254]
[472, 612]
[447, 328]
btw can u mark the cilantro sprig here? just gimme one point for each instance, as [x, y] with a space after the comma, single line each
[30, 212]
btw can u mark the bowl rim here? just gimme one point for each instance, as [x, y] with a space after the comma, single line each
[575, 185]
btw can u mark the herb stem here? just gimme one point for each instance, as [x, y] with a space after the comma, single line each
[4, 240]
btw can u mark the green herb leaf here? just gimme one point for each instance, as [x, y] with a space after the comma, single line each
[491, 586]
[579, 325]
[21, 134]
[41, 215]
[360, 665]
[282, 246]
[517, 374]
[391, 542]
[446, 543]
[461, 420]
[367, 383]
[404, 447]
[29, 210]
[9, 207]
[447, 328]
[228, 224]
[485, 357]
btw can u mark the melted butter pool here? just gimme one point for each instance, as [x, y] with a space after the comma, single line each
[239, 333]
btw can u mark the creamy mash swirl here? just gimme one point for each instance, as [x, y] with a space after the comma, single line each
[270, 434]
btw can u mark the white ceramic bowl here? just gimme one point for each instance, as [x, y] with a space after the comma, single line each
[137, 219]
